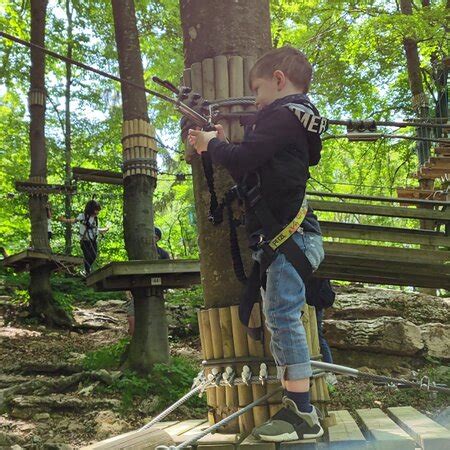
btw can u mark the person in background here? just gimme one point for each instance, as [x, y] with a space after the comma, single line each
[48, 209]
[88, 231]
[162, 254]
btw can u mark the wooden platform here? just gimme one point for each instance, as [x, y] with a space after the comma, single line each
[36, 188]
[402, 428]
[97, 175]
[119, 276]
[23, 261]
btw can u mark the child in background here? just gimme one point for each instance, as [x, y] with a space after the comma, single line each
[88, 232]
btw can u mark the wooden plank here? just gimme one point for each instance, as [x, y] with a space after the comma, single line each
[219, 438]
[183, 427]
[97, 175]
[345, 433]
[134, 440]
[154, 267]
[371, 198]
[189, 434]
[384, 433]
[426, 432]
[383, 234]
[251, 443]
[424, 194]
[382, 253]
[162, 425]
[307, 444]
[19, 261]
[384, 211]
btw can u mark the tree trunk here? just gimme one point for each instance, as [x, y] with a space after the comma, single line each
[226, 27]
[68, 131]
[420, 102]
[149, 343]
[42, 303]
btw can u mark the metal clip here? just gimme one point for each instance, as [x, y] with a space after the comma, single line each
[199, 379]
[263, 373]
[228, 376]
[425, 383]
[246, 375]
[217, 376]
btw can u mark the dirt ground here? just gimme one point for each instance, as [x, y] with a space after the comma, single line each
[48, 402]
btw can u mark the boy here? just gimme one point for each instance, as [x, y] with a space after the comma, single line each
[274, 157]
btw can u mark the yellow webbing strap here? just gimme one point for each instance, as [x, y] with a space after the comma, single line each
[290, 229]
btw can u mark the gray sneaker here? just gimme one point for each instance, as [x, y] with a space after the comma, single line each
[289, 424]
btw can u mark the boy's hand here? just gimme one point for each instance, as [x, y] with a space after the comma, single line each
[200, 139]
[220, 133]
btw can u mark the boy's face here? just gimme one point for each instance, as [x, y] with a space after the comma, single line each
[265, 90]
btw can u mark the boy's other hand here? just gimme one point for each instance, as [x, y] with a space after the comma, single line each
[220, 132]
[200, 139]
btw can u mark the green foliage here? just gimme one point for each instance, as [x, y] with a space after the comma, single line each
[360, 71]
[168, 381]
[106, 357]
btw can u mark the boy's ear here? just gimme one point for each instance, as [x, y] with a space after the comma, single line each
[280, 78]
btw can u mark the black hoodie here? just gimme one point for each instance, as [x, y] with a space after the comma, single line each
[280, 150]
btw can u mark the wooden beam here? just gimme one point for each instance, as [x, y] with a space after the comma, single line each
[371, 198]
[383, 234]
[385, 211]
[33, 187]
[417, 193]
[21, 261]
[97, 176]
[427, 433]
[382, 253]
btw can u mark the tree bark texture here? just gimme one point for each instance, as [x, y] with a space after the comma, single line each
[213, 28]
[224, 27]
[149, 343]
[42, 304]
[416, 84]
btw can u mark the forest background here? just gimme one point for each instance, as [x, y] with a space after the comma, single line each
[356, 48]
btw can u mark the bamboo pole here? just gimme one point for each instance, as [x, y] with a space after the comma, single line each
[222, 85]
[208, 89]
[245, 396]
[216, 333]
[205, 329]
[236, 75]
[249, 62]
[240, 343]
[226, 328]
[260, 412]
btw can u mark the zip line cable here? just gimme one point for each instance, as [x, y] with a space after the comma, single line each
[190, 113]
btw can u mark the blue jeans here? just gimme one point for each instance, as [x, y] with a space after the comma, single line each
[324, 347]
[283, 301]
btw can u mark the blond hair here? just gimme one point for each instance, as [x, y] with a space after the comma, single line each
[292, 62]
